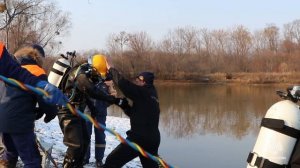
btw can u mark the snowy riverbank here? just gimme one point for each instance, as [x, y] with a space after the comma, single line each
[51, 133]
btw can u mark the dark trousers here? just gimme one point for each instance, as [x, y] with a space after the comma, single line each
[23, 145]
[75, 137]
[99, 138]
[124, 153]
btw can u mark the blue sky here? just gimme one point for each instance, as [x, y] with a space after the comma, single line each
[93, 20]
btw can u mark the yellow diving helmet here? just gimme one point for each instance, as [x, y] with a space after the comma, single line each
[100, 64]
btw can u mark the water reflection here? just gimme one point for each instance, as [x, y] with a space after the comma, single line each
[196, 109]
[204, 122]
[187, 110]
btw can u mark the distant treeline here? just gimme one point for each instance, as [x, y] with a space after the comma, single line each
[189, 53]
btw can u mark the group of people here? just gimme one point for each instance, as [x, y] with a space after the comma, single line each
[89, 88]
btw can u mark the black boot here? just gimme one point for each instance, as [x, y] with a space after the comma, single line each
[71, 162]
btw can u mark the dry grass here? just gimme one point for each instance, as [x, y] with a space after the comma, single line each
[289, 78]
[257, 78]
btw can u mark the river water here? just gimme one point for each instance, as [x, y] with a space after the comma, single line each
[211, 126]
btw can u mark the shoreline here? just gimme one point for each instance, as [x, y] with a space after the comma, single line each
[289, 78]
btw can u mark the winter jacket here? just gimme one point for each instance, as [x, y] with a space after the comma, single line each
[17, 107]
[144, 114]
[10, 68]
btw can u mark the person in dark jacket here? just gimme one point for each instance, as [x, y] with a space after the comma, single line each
[18, 111]
[11, 69]
[83, 84]
[144, 119]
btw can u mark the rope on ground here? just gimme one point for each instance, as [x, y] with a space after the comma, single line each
[87, 117]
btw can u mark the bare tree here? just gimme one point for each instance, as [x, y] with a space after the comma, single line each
[122, 39]
[294, 31]
[271, 35]
[33, 21]
[112, 45]
[241, 38]
[141, 44]
[220, 40]
[183, 40]
[291, 33]
[259, 44]
[207, 41]
[288, 45]
[241, 43]
[166, 46]
[186, 38]
[14, 8]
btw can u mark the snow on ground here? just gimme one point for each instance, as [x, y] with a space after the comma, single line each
[51, 133]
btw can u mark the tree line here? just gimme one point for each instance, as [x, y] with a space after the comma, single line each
[188, 52]
[183, 53]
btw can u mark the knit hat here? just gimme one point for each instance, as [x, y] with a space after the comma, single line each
[147, 77]
[39, 48]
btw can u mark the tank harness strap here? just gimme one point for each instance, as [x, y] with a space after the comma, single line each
[279, 126]
[57, 71]
[261, 162]
[62, 64]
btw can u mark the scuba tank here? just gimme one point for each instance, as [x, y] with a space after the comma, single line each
[278, 134]
[60, 67]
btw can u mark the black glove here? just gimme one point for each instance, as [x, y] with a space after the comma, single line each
[38, 113]
[123, 103]
[108, 77]
[49, 117]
